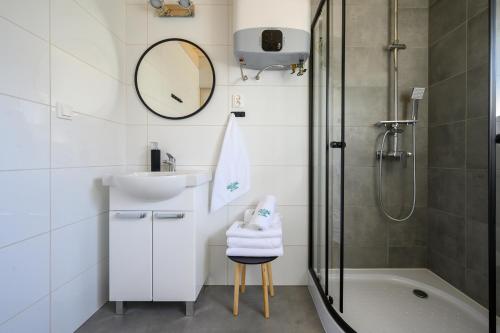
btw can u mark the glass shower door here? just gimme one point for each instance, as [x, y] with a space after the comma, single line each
[319, 94]
[326, 158]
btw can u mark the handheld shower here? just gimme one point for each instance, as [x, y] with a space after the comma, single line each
[417, 95]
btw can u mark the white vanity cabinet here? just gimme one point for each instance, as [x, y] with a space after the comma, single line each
[131, 256]
[158, 249]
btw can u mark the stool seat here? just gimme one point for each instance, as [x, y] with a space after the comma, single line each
[240, 277]
[252, 260]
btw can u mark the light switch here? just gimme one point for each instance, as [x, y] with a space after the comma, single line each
[238, 102]
[64, 111]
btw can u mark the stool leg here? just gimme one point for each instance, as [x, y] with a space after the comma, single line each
[237, 274]
[264, 290]
[243, 278]
[270, 273]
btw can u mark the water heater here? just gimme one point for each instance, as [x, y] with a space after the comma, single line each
[272, 34]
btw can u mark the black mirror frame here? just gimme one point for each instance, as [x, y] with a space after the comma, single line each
[174, 40]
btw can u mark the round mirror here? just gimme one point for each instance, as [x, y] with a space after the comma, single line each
[175, 78]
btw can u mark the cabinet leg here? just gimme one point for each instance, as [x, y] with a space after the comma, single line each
[189, 309]
[119, 309]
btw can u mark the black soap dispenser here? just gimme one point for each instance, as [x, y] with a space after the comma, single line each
[155, 157]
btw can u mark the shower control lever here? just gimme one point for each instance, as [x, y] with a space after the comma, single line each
[337, 144]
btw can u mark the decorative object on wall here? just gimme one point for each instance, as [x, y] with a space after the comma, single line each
[175, 78]
[183, 8]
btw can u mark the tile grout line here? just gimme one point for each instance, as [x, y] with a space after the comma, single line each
[50, 166]
[24, 29]
[466, 127]
[20, 312]
[89, 13]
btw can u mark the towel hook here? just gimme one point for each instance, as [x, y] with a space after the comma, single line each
[239, 114]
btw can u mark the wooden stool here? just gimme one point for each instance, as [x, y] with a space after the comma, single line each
[240, 275]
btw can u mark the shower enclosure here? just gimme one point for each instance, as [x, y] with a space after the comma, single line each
[414, 250]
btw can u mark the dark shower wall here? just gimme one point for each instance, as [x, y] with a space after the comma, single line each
[458, 159]
[371, 240]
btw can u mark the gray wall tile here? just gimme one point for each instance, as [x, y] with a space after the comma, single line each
[411, 63]
[367, 67]
[478, 91]
[448, 56]
[447, 100]
[366, 105]
[476, 287]
[447, 145]
[364, 227]
[365, 257]
[447, 236]
[447, 190]
[360, 186]
[447, 269]
[413, 3]
[408, 257]
[477, 195]
[361, 145]
[445, 15]
[475, 6]
[411, 233]
[477, 247]
[478, 40]
[477, 143]
[413, 31]
[367, 25]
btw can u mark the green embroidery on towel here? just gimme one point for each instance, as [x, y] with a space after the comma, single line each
[264, 212]
[233, 186]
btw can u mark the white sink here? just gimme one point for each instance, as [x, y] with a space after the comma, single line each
[157, 186]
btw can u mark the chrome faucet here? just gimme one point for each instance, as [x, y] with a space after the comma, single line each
[170, 163]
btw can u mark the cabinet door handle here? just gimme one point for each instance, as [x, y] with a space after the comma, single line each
[169, 216]
[131, 216]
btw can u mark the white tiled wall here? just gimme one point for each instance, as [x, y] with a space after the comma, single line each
[275, 130]
[53, 221]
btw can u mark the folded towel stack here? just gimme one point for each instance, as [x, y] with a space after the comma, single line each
[245, 239]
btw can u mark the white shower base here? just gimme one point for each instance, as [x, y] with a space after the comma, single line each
[382, 301]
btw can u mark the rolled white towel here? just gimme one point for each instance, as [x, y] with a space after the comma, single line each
[264, 213]
[254, 243]
[244, 252]
[240, 229]
[247, 216]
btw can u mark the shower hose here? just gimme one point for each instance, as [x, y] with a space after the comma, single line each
[380, 178]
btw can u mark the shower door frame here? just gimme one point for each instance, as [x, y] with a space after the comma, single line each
[492, 188]
[326, 5]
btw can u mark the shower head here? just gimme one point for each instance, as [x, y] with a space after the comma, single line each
[158, 4]
[417, 93]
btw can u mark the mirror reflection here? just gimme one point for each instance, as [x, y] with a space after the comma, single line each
[175, 79]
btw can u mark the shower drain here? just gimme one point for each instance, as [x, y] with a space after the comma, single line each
[420, 293]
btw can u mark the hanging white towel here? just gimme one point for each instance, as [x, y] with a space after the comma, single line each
[242, 252]
[232, 176]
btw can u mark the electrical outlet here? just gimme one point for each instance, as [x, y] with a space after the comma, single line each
[237, 102]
